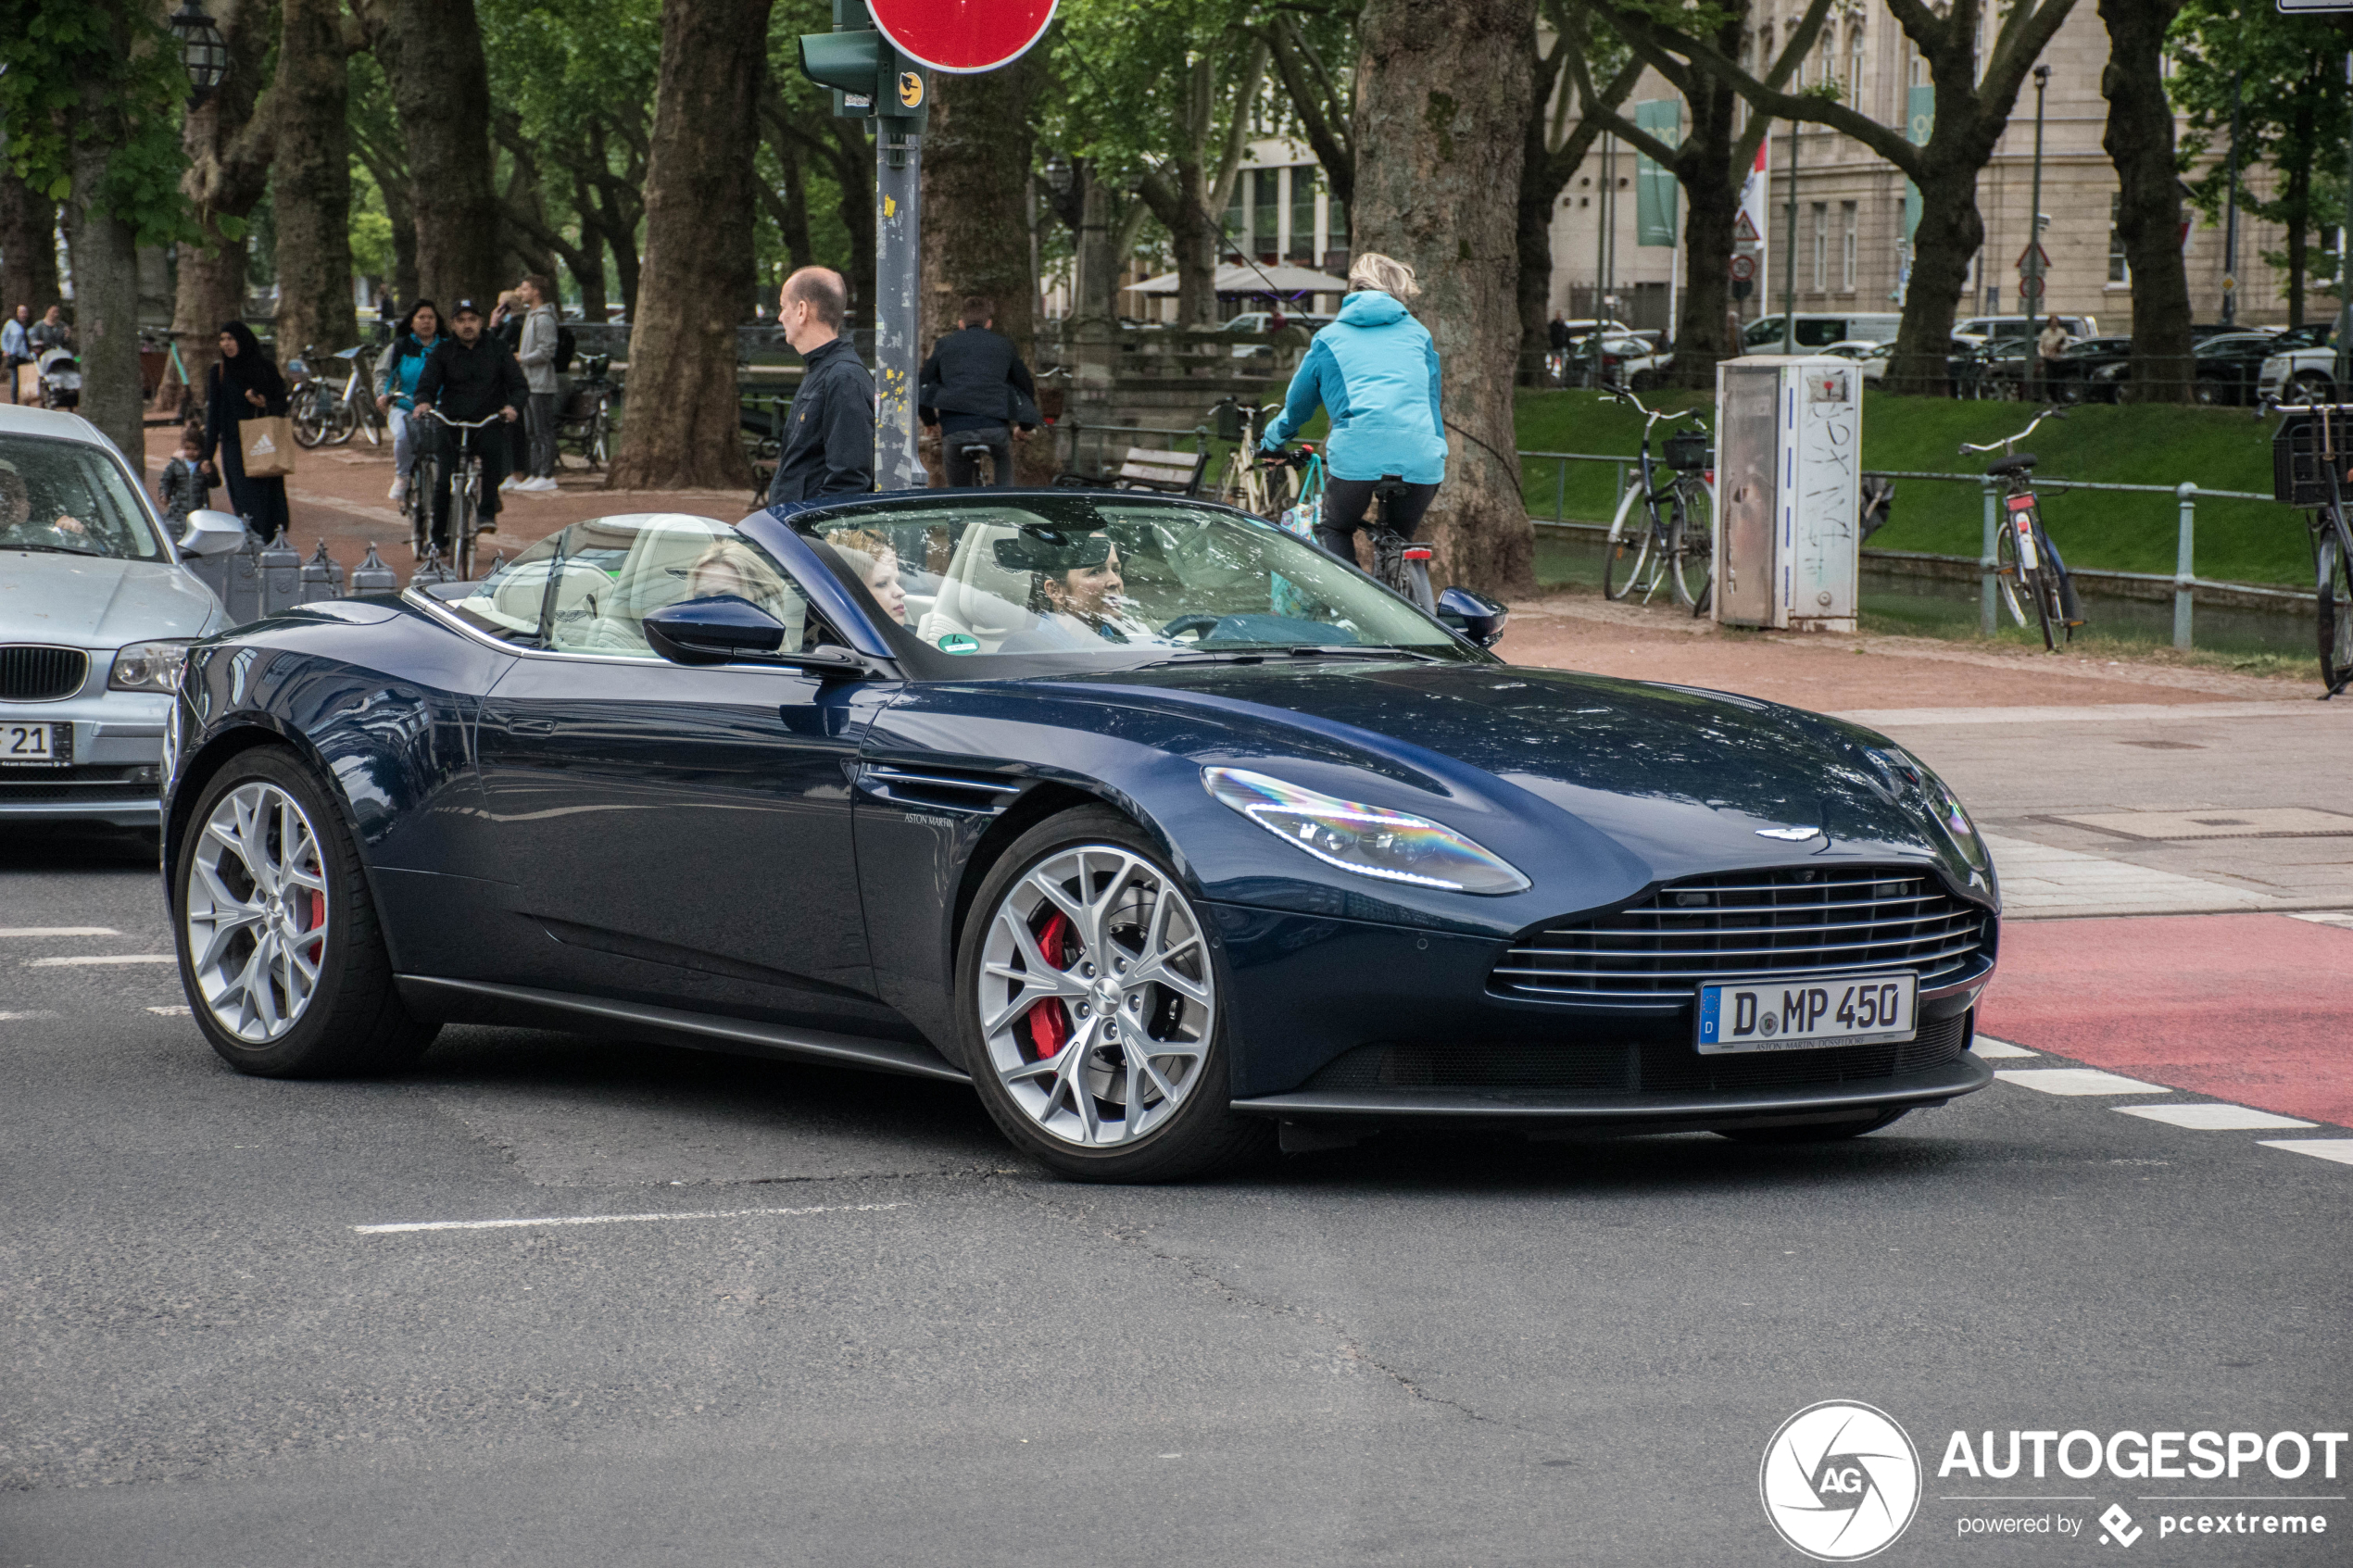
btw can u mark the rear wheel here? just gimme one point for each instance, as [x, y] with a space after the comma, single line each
[280, 952]
[1089, 1004]
[2337, 609]
[308, 416]
[1691, 533]
[1628, 550]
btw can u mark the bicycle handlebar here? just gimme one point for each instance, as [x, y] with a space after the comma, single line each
[2008, 442]
[1649, 418]
[463, 425]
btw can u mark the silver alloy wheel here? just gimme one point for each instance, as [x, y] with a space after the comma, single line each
[256, 915]
[1097, 999]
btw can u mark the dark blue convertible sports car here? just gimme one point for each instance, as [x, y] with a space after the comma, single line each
[1162, 827]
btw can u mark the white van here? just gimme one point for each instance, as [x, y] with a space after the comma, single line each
[1818, 332]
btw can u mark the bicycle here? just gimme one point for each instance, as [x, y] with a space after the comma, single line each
[584, 420]
[2023, 554]
[465, 497]
[322, 416]
[1251, 485]
[1674, 542]
[2316, 443]
[1399, 563]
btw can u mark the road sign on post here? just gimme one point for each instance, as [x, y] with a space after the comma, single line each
[877, 63]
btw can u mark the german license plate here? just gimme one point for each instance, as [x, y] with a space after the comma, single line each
[33, 745]
[1803, 1014]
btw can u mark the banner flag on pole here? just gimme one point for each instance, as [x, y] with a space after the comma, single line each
[1920, 119]
[1654, 189]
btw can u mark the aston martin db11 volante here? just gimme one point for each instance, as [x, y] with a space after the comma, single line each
[1174, 835]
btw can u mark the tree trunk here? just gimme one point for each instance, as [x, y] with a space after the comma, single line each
[1711, 185]
[441, 88]
[1439, 127]
[1195, 243]
[976, 235]
[681, 431]
[2300, 210]
[28, 247]
[2148, 213]
[1950, 232]
[105, 284]
[229, 144]
[310, 182]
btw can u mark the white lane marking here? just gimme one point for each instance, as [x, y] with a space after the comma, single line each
[58, 931]
[2077, 1081]
[2324, 917]
[2338, 1149]
[8, 1017]
[1986, 1046]
[619, 1218]
[180, 1011]
[104, 958]
[2211, 1117]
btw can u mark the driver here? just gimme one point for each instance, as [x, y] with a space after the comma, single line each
[1087, 599]
[16, 507]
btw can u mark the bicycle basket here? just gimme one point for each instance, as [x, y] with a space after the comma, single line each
[1687, 451]
[2298, 478]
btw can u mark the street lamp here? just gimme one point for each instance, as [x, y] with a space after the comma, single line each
[204, 55]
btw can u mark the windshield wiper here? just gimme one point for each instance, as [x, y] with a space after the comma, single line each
[49, 549]
[1358, 650]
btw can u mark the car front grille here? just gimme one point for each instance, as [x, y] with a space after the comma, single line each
[29, 673]
[1664, 946]
[1654, 1063]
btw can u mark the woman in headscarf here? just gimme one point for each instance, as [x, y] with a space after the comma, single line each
[244, 385]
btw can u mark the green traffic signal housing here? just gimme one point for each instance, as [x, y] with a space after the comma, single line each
[867, 75]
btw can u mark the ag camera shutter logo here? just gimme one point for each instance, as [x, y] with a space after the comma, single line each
[1841, 1481]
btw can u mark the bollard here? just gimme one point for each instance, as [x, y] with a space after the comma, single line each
[2183, 574]
[431, 571]
[281, 567]
[242, 594]
[373, 576]
[322, 578]
[1985, 621]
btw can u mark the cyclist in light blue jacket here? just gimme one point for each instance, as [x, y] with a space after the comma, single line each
[1375, 370]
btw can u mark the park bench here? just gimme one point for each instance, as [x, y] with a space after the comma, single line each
[1147, 467]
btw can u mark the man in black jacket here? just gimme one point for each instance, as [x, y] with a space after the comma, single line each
[468, 377]
[975, 387]
[829, 434]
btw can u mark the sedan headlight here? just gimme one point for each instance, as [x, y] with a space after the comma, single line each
[1368, 840]
[1917, 784]
[148, 666]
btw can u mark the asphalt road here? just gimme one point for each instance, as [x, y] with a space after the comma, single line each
[835, 1323]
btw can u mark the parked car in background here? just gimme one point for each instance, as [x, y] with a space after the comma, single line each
[96, 610]
[1870, 356]
[1259, 321]
[1634, 361]
[1816, 332]
[1987, 327]
[2070, 373]
[2226, 367]
[2302, 368]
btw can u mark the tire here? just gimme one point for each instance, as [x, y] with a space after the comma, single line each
[267, 850]
[1820, 1132]
[1049, 1080]
[424, 477]
[600, 440]
[1691, 544]
[310, 419]
[1628, 552]
[2310, 386]
[2336, 611]
[2006, 576]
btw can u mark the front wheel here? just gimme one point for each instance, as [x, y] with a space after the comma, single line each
[2337, 609]
[308, 416]
[1090, 1007]
[280, 952]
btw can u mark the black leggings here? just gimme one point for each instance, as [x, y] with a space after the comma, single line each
[1347, 500]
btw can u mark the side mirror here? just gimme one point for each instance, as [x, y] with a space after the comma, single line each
[212, 534]
[1475, 615]
[712, 631]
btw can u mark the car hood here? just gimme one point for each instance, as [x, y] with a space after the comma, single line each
[99, 602]
[1680, 778]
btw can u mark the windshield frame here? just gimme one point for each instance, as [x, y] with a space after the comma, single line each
[103, 452]
[804, 527]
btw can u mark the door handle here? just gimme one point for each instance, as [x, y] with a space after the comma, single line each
[527, 726]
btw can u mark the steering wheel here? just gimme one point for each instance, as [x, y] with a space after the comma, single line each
[1195, 622]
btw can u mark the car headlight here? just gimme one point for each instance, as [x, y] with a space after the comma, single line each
[148, 666]
[1369, 840]
[1916, 783]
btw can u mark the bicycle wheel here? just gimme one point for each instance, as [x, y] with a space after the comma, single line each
[424, 477]
[1690, 535]
[1629, 546]
[309, 418]
[340, 422]
[369, 421]
[2005, 573]
[2336, 607]
[465, 501]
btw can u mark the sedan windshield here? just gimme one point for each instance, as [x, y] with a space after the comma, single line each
[1107, 578]
[68, 497]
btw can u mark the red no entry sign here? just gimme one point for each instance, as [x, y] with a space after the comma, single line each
[962, 36]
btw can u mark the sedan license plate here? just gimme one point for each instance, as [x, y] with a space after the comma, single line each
[34, 745]
[1805, 1014]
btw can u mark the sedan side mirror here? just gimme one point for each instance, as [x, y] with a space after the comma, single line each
[212, 534]
[1474, 615]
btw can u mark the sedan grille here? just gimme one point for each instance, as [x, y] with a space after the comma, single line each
[32, 673]
[1662, 946]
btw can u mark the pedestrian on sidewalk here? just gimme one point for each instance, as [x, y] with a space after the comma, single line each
[829, 441]
[505, 327]
[471, 376]
[16, 346]
[50, 332]
[184, 486]
[975, 389]
[538, 358]
[2048, 349]
[243, 384]
[396, 387]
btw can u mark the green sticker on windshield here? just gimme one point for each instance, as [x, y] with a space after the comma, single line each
[958, 641]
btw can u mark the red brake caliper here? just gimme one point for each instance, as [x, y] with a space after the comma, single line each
[1048, 1025]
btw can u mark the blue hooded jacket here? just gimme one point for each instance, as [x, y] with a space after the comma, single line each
[1376, 371]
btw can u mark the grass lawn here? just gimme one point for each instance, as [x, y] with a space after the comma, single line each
[2217, 449]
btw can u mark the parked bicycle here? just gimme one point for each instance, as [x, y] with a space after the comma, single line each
[327, 413]
[1251, 485]
[2024, 558]
[584, 422]
[457, 455]
[1664, 530]
[2313, 446]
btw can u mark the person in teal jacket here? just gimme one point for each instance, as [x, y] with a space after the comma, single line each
[396, 385]
[1375, 370]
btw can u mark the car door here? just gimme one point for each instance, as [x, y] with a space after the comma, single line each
[678, 834]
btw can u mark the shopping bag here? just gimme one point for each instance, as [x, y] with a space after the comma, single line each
[267, 446]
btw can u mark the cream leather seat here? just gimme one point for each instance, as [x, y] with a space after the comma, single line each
[978, 598]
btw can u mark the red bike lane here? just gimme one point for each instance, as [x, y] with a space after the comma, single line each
[2254, 1009]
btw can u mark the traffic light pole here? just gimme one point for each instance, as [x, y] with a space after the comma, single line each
[899, 187]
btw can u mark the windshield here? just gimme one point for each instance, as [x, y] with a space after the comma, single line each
[68, 497]
[1106, 580]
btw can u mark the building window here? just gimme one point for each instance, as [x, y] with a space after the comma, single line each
[1265, 223]
[1821, 246]
[1336, 225]
[1829, 57]
[2117, 271]
[1303, 213]
[1849, 218]
[1855, 65]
